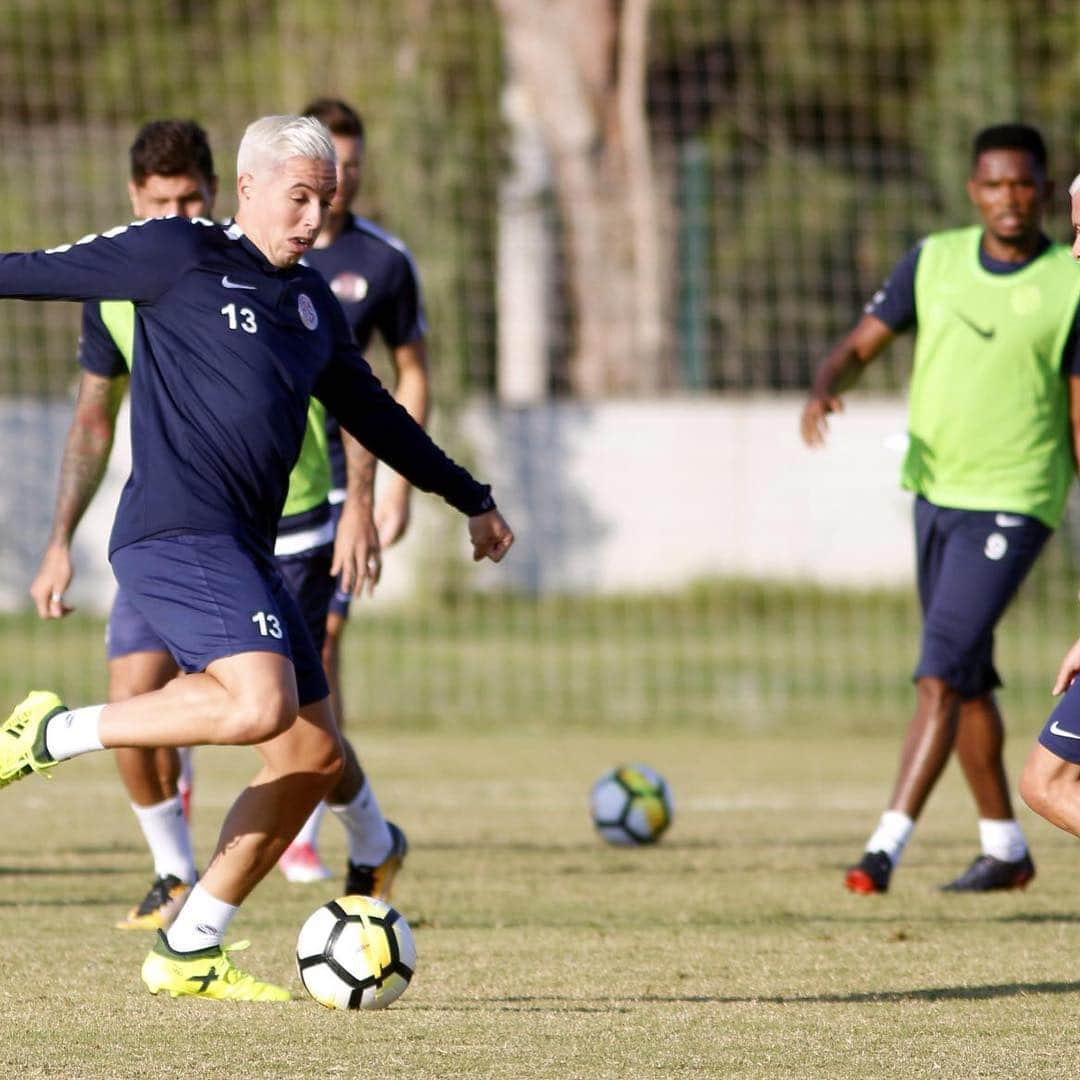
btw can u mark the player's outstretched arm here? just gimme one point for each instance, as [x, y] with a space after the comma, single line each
[86, 455]
[839, 371]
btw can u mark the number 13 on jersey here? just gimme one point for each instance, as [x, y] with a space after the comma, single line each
[240, 318]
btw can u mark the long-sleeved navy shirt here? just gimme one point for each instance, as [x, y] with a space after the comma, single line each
[228, 349]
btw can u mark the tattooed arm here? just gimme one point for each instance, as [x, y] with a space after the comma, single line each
[86, 454]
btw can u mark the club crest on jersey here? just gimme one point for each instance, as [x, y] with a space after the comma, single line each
[349, 288]
[308, 315]
[995, 547]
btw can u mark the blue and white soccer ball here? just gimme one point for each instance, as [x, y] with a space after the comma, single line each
[355, 952]
[631, 805]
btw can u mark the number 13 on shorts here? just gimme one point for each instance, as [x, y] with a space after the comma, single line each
[268, 624]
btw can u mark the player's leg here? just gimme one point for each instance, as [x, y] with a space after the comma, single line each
[1050, 781]
[150, 776]
[309, 580]
[1004, 861]
[298, 766]
[377, 847]
[968, 573]
[337, 618]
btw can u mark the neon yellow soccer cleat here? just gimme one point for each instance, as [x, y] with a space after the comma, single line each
[159, 907]
[208, 973]
[22, 737]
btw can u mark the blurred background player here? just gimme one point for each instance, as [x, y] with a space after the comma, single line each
[994, 440]
[374, 277]
[172, 172]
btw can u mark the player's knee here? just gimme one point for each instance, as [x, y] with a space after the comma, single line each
[323, 760]
[263, 715]
[1036, 789]
[936, 693]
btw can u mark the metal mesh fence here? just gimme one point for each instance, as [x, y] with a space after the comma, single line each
[668, 201]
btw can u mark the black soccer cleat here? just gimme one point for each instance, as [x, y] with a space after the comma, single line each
[377, 881]
[986, 874]
[870, 874]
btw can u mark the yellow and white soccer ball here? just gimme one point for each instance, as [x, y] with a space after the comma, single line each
[355, 952]
[631, 805]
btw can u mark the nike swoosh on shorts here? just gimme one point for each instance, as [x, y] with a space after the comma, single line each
[1055, 730]
[1008, 521]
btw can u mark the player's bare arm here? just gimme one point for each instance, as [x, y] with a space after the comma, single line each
[411, 392]
[86, 455]
[356, 543]
[839, 371]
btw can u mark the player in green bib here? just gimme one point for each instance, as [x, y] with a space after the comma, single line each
[993, 444]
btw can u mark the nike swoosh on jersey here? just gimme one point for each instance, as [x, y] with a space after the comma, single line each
[1008, 521]
[1055, 730]
[986, 335]
[236, 284]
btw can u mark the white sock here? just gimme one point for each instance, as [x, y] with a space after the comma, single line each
[369, 835]
[891, 835]
[169, 838]
[309, 831]
[69, 734]
[202, 922]
[1002, 838]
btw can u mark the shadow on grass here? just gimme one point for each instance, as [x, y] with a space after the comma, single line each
[556, 1004]
[62, 871]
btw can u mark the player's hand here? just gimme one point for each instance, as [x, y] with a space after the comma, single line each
[814, 424]
[53, 578]
[392, 512]
[1070, 668]
[490, 535]
[357, 558]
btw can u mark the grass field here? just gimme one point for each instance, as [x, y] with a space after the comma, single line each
[731, 949]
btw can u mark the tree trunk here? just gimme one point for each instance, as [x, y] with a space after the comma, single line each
[583, 63]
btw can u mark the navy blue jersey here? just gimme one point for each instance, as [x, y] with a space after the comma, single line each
[375, 280]
[227, 350]
[894, 302]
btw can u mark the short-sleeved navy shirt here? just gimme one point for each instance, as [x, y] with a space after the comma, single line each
[227, 350]
[375, 279]
[894, 302]
[98, 352]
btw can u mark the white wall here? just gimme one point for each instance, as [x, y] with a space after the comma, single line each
[611, 497]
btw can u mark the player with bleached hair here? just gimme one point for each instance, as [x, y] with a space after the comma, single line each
[993, 445]
[232, 336]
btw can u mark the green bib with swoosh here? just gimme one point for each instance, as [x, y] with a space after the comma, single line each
[988, 411]
[310, 480]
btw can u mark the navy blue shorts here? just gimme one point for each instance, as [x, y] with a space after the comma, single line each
[128, 632]
[970, 564]
[208, 596]
[309, 580]
[1061, 733]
